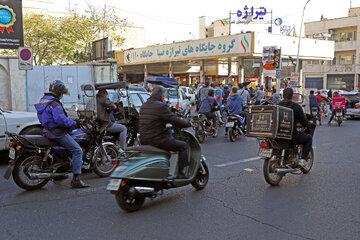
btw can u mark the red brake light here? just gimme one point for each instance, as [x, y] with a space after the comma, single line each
[113, 162]
[113, 192]
[265, 145]
[11, 144]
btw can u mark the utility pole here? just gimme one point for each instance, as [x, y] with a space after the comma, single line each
[298, 52]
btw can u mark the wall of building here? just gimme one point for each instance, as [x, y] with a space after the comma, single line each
[12, 85]
[13, 81]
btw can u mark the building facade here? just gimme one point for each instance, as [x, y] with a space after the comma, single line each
[343, 71]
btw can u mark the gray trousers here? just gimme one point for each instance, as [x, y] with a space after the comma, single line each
[119, 128]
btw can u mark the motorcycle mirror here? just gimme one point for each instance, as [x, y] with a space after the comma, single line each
[74, 108]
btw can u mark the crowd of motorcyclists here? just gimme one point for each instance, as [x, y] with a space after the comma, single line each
[213, 101]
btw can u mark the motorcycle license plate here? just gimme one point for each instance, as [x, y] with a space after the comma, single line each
[338, 114]
[12, 153]
[265, 152]
[113, 184]
[229, 124]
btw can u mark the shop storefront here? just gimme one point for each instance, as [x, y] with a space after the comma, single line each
[341, 81]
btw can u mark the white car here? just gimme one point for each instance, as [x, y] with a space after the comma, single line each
[25, 123]
[178, 99]
[189, 93]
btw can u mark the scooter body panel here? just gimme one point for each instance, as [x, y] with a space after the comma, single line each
[153, 167]
[144, 166]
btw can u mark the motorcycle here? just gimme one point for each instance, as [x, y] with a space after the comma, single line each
[203, 127]
[144, 172]
[281, 157]
[339, 116]
[315, 112]
[236, 123]
[35, 160]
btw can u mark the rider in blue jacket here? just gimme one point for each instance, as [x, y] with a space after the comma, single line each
[235, 105]
[56, 123]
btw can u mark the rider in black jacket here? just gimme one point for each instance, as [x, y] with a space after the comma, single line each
[299, 117]
[154, 115]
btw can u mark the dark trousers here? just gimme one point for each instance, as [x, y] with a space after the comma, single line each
[334, 113]
[211, 116]
[175, 145]
[306, 140]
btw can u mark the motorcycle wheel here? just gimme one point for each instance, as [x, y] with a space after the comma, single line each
[309, 162]
[215, 132]
[199, 135]
[339, 122]
[201, 179]
[128, 203]
[22, 167]
[232, 135]
[268, 169]
[103, 167]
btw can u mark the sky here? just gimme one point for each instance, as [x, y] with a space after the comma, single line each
[166, 21]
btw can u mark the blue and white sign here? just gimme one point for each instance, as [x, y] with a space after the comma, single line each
[278, 21]
[218, 46]
[278, 73]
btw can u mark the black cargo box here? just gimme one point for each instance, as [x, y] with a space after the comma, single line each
[270, 121]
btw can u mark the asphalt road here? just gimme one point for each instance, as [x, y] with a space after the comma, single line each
[237, 203]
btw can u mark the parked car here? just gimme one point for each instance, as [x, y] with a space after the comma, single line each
[25, 123]
[353, 104]
[189, 93]
[136, 98]
[178, 99]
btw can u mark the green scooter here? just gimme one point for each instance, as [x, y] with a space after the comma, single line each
[144, 172]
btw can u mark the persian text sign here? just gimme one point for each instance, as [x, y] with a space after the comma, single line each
[219, 46]
[11, 26]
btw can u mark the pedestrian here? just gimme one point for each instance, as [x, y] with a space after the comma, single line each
[244, 94]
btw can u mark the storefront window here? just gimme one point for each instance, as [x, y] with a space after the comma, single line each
[341, 82]
[346, 59]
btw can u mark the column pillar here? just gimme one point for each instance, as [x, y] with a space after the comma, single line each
[171, 70]
[356, 82]
[145, 71]
[202, 71]
[229, 70]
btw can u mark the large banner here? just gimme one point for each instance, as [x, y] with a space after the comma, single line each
[11, 24]
[208, 47]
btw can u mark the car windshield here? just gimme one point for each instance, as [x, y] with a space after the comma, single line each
[171, 93]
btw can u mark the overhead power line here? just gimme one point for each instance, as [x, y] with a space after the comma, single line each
[158, 18]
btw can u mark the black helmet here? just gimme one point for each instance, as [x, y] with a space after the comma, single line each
[58, 88]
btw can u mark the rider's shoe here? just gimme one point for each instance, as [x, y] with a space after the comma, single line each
[77, 183]
[302, 163]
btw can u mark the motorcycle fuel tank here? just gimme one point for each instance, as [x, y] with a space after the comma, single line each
[82, 137]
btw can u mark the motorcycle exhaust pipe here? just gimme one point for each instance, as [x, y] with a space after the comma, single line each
[45, 175]
[283, 171]
[142, 191]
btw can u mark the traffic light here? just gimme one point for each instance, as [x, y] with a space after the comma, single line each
[277, 58]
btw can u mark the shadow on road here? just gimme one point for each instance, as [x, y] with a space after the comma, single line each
[4, 158]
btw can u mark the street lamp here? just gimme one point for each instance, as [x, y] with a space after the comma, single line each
[302, 19]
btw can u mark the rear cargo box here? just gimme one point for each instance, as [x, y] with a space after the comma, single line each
[270, 121]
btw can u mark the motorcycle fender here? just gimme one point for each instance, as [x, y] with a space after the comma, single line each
[9, 170]
[99, 149]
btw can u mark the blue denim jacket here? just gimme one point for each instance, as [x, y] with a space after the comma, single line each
[53, 117]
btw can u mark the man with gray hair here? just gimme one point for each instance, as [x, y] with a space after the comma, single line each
[154, 115]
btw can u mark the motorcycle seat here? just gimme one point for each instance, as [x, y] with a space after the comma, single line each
[148, 148]
[40, 141]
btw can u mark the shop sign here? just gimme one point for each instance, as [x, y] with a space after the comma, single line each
[11, 25]
[218, 46]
